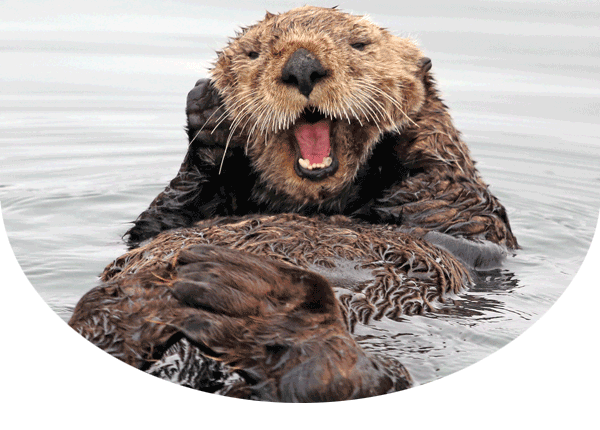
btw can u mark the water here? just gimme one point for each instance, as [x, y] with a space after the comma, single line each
[91, 130]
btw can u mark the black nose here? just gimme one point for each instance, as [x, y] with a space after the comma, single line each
[303, 71]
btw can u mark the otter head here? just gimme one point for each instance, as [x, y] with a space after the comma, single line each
[312, 91]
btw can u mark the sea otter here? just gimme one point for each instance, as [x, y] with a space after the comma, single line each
[324, 185]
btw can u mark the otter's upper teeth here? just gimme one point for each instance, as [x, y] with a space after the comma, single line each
[306, 164]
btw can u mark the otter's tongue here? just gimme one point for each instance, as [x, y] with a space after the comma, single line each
[314, 141]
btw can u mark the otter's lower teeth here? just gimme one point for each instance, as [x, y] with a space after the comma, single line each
[306, 164]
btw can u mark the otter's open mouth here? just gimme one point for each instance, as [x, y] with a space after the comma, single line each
[316, 159]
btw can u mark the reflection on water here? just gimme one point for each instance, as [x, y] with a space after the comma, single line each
[91, 129]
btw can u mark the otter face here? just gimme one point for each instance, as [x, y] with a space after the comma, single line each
[312, 91]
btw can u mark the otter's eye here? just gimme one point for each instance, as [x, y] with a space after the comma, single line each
[253, 55]
[359, 46]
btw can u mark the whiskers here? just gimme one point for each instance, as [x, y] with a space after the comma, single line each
[250, 115]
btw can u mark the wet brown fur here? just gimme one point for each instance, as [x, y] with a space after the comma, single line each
[417, 275]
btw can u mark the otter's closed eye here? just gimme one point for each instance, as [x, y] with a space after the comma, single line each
[253, 55]
[359, 46]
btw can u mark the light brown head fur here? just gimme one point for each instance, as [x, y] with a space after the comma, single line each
[371, 87]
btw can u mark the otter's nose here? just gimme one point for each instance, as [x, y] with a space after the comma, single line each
[303, 71]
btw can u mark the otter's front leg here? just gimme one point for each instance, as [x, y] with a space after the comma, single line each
[203, 186]
[457, 205]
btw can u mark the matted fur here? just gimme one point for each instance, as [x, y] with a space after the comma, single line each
[401, 274]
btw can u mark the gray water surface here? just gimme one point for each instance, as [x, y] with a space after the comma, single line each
[91, 129]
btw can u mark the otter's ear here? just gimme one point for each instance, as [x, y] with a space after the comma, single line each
[425, 66]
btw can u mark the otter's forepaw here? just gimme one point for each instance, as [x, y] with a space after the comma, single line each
[278, 325]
